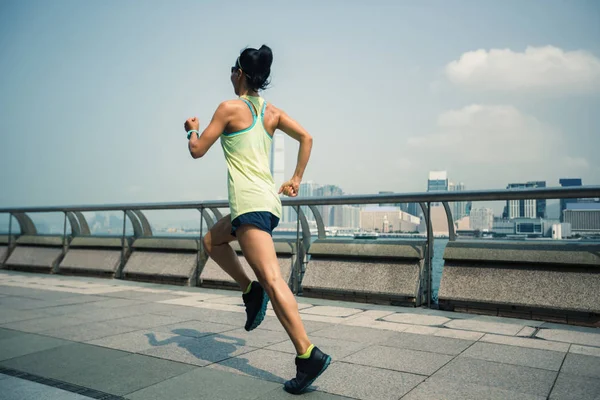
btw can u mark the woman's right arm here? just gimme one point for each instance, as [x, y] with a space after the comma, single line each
[294, 130]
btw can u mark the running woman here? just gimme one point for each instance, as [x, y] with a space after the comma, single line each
[246, 126]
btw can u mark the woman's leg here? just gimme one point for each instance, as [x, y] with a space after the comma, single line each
[259, 251]
[216, 244]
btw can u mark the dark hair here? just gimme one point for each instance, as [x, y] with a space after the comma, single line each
[256, 65]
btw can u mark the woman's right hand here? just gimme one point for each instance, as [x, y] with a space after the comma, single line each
[290, 188]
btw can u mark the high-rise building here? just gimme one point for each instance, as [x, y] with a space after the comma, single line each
[459, 209]
[566, 182]
[308, 189]
[278, 171]
[387, 219]
[583, 217]
[346, 216]
[525, 208]
[482, 219]
[438, 181]
[327, 212]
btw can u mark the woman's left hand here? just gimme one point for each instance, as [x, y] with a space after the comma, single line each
[191, 124]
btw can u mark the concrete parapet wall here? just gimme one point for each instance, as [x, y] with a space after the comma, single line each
[213, 276]
[526, 278]
[97, 242]
[369, 271]
[40, 240]
[91, 261]
[33, 258]
[173, 260]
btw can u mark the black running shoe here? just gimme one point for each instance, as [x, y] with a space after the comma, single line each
[307, 370]
[256, 306]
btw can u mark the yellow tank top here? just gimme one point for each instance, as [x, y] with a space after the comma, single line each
[249, 181]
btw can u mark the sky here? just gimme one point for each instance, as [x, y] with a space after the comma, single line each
[93, 95]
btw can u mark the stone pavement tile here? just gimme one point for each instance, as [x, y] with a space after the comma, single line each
[105, 314]
[484, 326]
[21, 303]
[525, 342]
[45, 323]
[582, 365]
[422, 330]
[526, 332]
[301, 306]
[310, 394]
[20, 345]
[194, 328]
[230, 300]
[156, 297]
[330, 311]
[514, 378]
[534, 358]
[458, 334]
[434, 388]
[70, 309]
[273, 324]
[506, 320]
[354, 334]
[198, 351]
[61, 362]
[336, 348]
[197, 300]
[148, 321]
[8, 333]
[434, 344]
[127, 374]
[264, 364]
[569, 336]
[19, 389]
[204, 314]
[403, 360]
[362, 382]
[207, 384]
[87, 332]
[368, 322]
[575, 387]
[73, 300]
[261, 338]
[571, 328]
[135, 341]
[108, 302]
[416, 319]
[585, 350]
[10, 315]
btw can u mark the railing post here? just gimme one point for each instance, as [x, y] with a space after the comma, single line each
[10, 217]
[200, 248]
[122, 267]
[297, 267]
[429, 256]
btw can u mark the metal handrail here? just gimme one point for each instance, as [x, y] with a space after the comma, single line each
[427, 197]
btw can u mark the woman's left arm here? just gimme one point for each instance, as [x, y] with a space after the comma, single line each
[199, 145]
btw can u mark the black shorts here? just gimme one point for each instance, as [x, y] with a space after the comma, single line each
[263, 220]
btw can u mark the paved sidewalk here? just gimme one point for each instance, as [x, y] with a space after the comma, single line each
[76, 338]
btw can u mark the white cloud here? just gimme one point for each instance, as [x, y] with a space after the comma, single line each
[537, 68]
[490, 145]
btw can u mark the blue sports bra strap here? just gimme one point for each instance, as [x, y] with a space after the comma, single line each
[250, 106]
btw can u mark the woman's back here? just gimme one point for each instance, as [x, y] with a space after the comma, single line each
[247, 148]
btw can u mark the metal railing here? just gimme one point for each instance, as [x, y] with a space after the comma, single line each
[142, 227]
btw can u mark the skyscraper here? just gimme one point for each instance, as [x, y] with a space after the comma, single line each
[327, 212]
[459, 209]
[565, 202]
[529, 208]
[482, 219]
[308, 189]
[438, 181]
[278, 171]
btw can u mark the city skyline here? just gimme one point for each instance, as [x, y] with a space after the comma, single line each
[438, 89]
